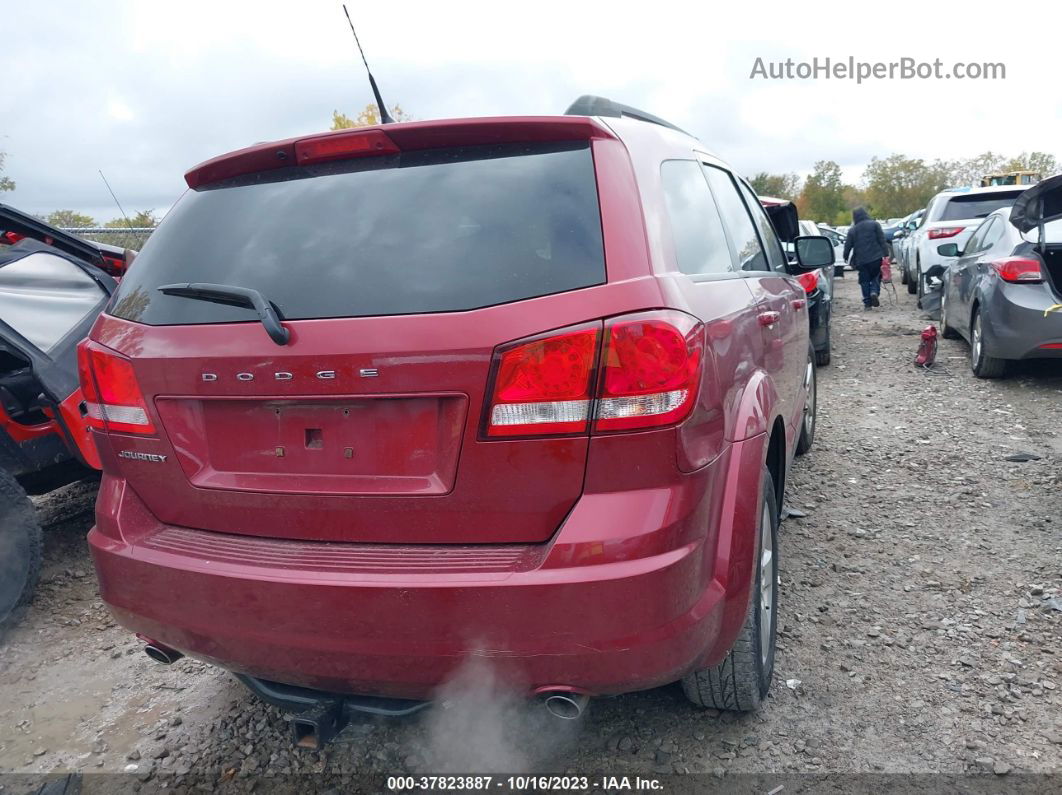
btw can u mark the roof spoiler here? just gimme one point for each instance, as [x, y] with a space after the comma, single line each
[589, 105]
[1039, 205]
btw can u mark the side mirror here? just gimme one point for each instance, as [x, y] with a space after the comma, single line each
[948, 250]
[900, 233]
[813, 252]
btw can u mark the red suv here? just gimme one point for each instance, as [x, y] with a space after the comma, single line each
[372, 401]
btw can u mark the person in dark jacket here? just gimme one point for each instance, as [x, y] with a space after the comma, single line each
[866, 243]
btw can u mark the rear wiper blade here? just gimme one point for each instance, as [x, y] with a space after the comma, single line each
[234, 296]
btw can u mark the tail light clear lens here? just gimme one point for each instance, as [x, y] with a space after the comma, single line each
[113, 399]
[1018, 270]
[948, 231]
[646, 375]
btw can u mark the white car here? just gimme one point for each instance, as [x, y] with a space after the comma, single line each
[951, 217]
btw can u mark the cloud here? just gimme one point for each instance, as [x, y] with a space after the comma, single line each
[144, 91]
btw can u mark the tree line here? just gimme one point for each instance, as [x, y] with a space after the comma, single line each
[890, 187]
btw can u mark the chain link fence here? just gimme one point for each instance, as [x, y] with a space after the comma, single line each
[123, 237]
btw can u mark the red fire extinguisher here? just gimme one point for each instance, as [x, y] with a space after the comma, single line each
[927, 349]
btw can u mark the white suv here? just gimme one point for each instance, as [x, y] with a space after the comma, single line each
[951, 217]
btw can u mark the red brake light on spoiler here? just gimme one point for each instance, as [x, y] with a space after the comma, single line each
[342, 146]
[113, 398]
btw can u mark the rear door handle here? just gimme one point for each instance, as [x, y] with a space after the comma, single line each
[769, 318]
[799, 303]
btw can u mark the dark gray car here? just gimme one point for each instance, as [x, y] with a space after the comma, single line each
[1003, 292]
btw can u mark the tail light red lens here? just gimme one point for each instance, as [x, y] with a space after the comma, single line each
[948, 231]
[113, 399]
[809, 281]
[543, 386]
[647, 376]
[1018, 270]
[652, 368]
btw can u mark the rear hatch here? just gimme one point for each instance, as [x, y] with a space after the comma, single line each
[397, 276]
[964, 212]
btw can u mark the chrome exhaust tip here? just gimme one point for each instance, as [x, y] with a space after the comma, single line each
[163, 655]
[565, 705]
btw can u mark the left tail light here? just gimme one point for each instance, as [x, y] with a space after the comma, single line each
[1018, 270]
[643, 371]
[113, 399]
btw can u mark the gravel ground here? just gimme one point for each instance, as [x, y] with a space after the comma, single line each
[919, 629]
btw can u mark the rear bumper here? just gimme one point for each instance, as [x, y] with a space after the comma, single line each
[1015, 323]
[636, 589]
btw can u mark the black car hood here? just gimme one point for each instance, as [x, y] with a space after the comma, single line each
[785, 220]
[1038, 205]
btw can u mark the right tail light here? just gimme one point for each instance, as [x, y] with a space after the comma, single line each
[642, 372]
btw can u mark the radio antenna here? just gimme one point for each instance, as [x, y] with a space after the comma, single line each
[385, 117]
[128, 223]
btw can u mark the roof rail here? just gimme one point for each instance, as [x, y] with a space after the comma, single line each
[589, 105]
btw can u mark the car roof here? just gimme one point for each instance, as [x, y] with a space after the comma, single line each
[951, 192]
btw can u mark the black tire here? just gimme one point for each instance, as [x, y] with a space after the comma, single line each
[741, 681]
[983, 365]
[903, 275]
[20, 551]
[912, 282]
[809, 420]
[822, 355]
[946, 331]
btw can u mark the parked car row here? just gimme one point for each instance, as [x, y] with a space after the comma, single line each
[990, 255]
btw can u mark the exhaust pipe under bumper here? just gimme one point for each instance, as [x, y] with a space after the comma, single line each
[565, 704]
[160, 652]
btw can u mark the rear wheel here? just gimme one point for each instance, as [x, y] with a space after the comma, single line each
[20, 550]
[807, 423]
[983, 365]
[946, 331]
[741, 681]
[912, 282]
[903, 275]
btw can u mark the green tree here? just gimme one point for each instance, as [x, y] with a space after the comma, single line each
[142, 220]
[6, 183]
[970, 170]
[69, 219]
[783, 186]
[823, 195]
[369, 116]
[1045, 164]
[898, 185]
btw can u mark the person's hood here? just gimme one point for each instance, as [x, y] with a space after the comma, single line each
[1040, 204]
[859, 214]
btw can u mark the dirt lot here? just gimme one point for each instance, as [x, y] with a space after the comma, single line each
[920, 627]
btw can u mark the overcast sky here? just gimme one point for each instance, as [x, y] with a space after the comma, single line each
[145, 90]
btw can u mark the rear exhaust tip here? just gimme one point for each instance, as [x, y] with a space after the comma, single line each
[161, 654]
[564, 704]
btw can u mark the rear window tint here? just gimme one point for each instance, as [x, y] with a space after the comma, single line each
[981, 205]
[433, 231]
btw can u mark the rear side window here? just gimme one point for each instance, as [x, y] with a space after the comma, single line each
[771, 243]
[697, 229]
[961, 208]
[736, 217]
[431, 231]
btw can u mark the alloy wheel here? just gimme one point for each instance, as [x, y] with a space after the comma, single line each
[766, 581]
